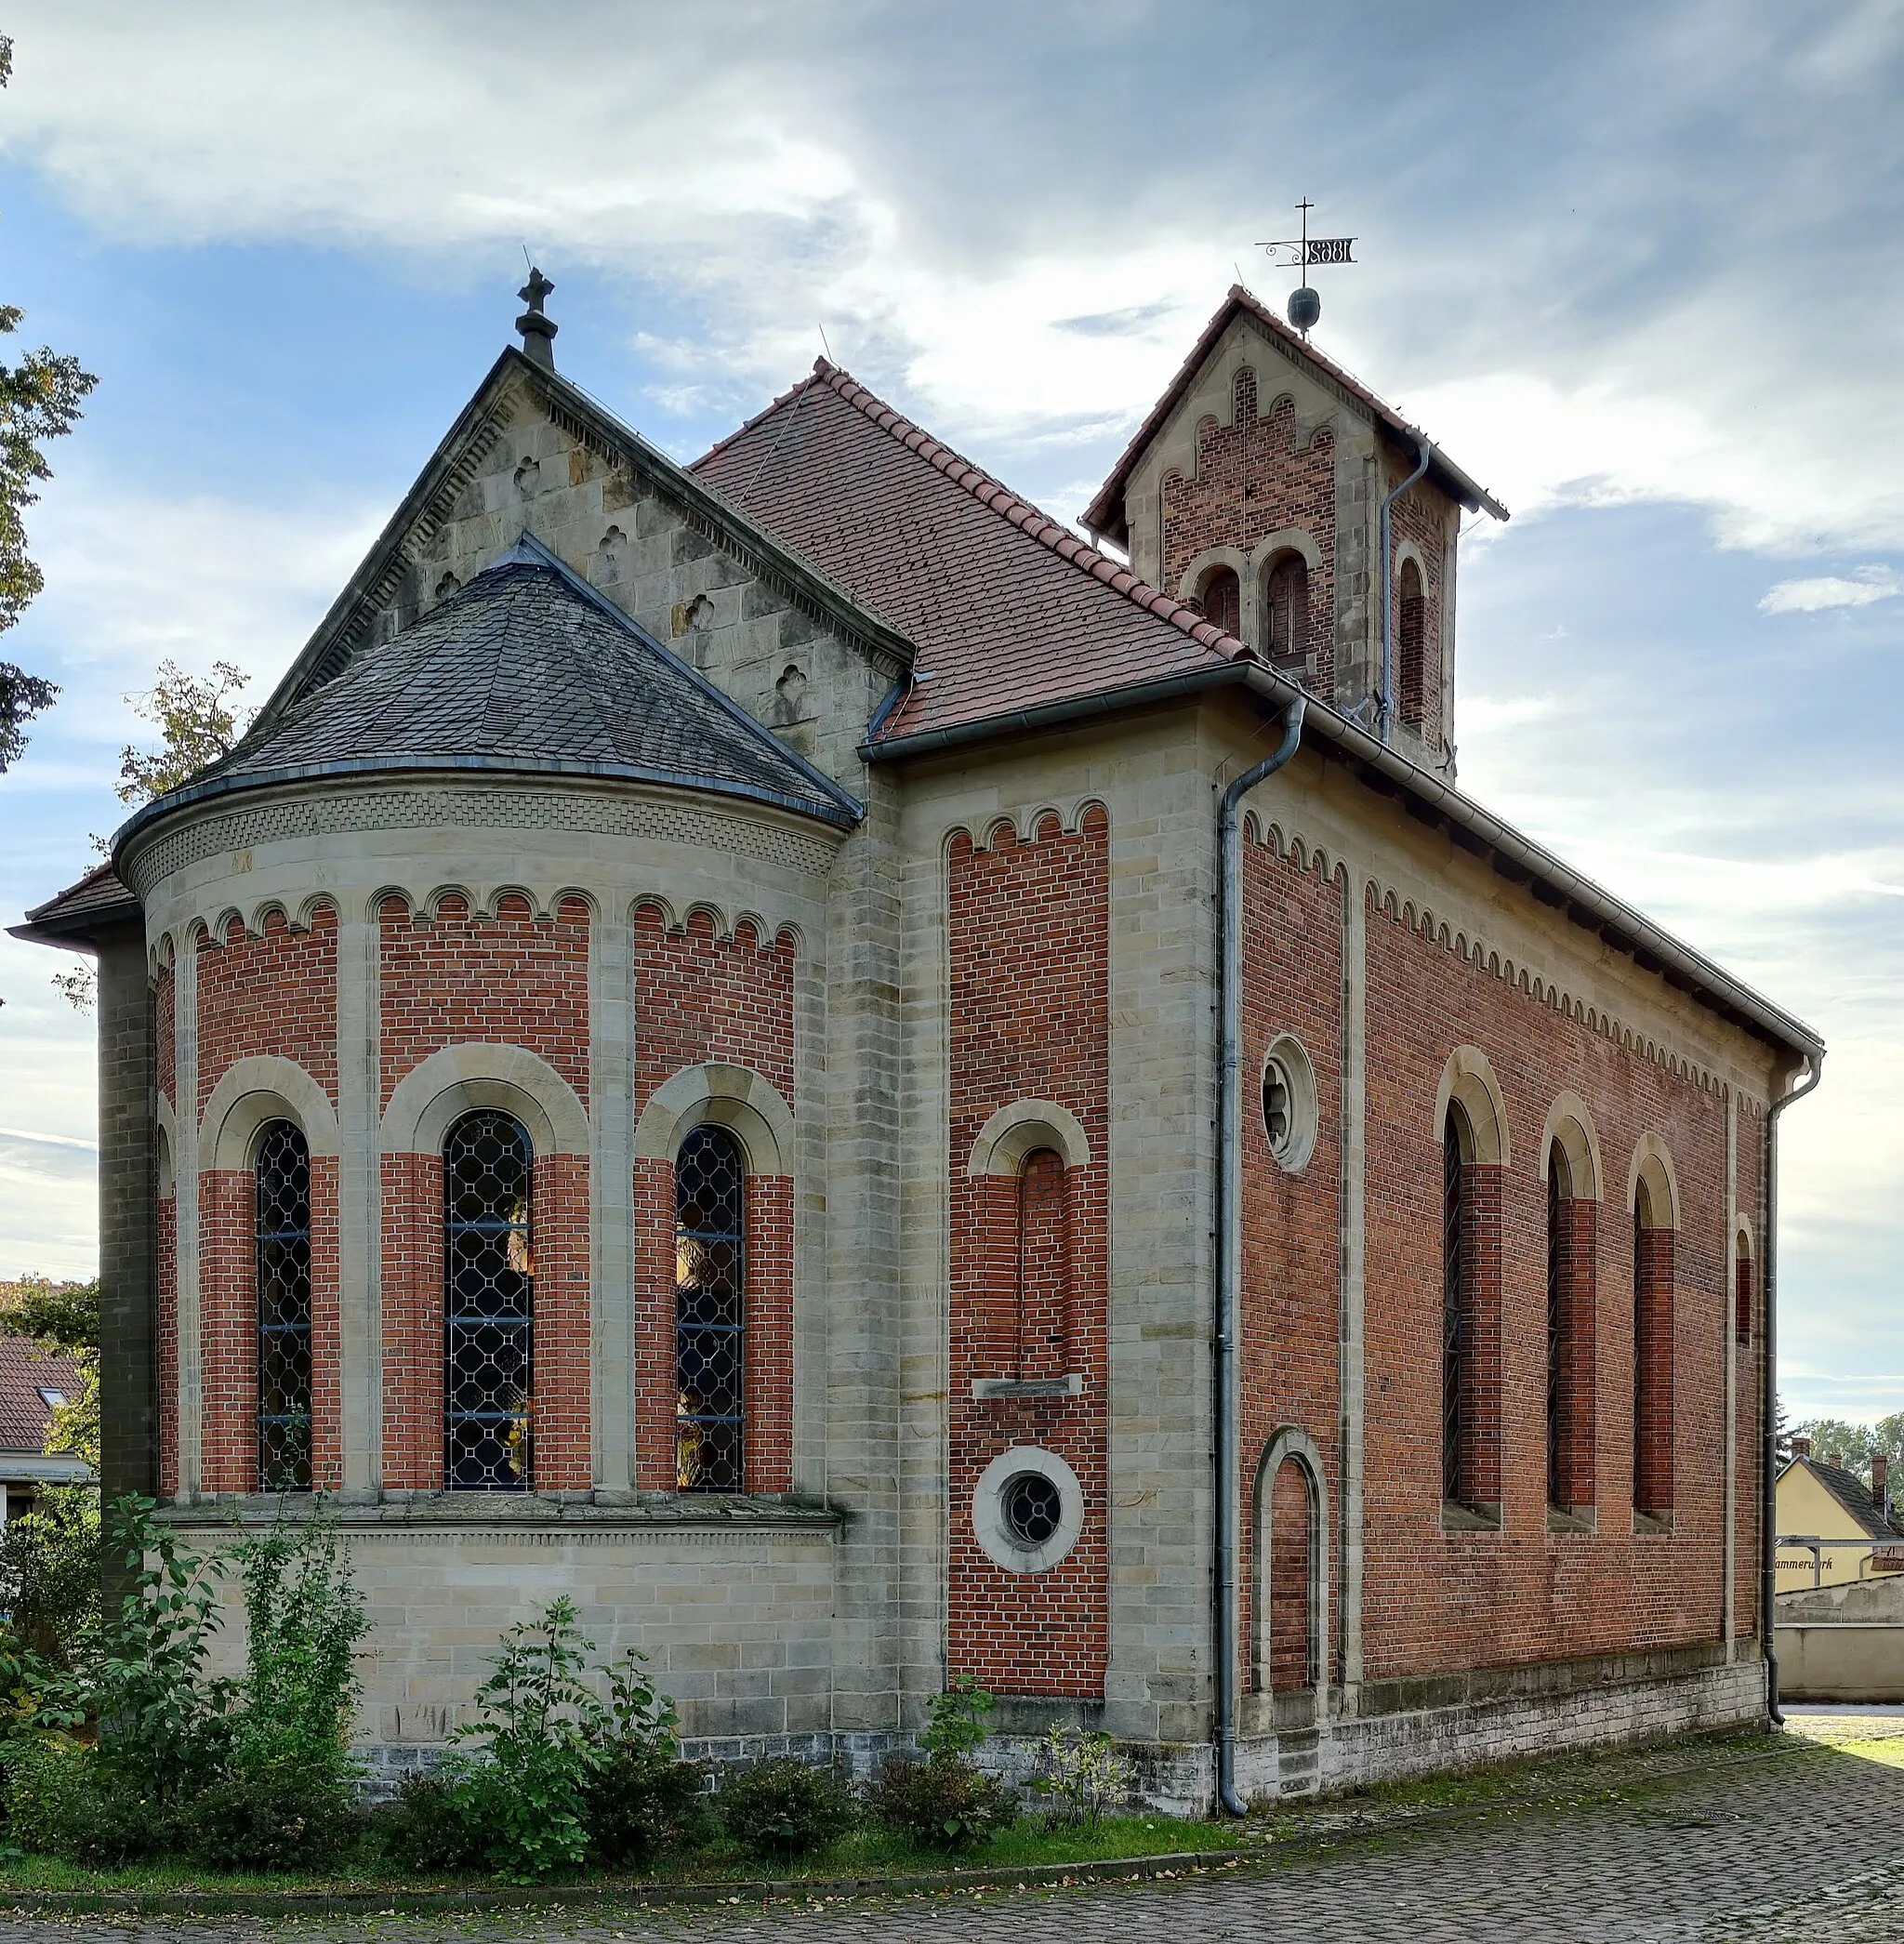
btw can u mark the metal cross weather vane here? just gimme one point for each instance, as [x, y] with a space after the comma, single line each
[1305, 307]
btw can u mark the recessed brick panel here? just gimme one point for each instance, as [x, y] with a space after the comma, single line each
[1029, 935]
[273, 992]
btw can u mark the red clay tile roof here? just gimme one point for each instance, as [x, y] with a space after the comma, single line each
[1105, 513]
[1006, 607]
[24, 1372]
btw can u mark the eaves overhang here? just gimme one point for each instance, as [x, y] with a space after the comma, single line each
[1548, 879]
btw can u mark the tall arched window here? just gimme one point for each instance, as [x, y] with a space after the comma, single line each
[1457, 1310]
[1293, 1566]
[1222, 599]
[1559, 1193]
[1652, 1351]
[1411, 642]
[711, 1178]
[489, 1308]
[283, 1254]
[1741, 1295]
[1287, 599]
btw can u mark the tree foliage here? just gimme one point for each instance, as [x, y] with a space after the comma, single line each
[1854, 1445]
[196, 722]
[40, 398]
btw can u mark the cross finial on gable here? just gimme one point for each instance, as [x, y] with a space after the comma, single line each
[537, 330]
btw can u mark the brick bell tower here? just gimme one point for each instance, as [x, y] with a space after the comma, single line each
[1269, 486]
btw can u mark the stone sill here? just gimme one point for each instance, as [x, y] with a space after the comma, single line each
[1652, 1525]
[1468, 1518]
[1580, 1519]
[360, 1511]
[986, 1389]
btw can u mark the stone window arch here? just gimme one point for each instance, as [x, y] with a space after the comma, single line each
[489, 1303]
[1655, 1217]
[1290, 1594]
[280, 1262]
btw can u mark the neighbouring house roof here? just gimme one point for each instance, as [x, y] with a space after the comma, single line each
[1853, 1496]
[25, 1371]
[525, 670]
[1105, 513]
[98, 901]
[1005, 606]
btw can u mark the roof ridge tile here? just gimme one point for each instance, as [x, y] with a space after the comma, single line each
[996, 496]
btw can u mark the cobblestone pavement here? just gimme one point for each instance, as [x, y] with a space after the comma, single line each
[1799, 1848]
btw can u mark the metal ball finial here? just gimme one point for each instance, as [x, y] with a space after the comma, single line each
[1305, 307]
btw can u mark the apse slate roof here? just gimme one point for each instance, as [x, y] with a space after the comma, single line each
[1105, 513]
[527, 669]
[1005, 607]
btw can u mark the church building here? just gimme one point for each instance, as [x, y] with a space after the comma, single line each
[876, 1091]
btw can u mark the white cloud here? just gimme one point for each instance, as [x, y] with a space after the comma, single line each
[1481, 715]
[1826, 590]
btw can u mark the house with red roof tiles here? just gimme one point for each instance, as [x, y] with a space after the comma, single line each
[877, 1086]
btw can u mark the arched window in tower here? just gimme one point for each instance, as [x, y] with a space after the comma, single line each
[1287, 599]
[710, 1180]
[1222, 599]
[1741, 1295]
[489, 1309]
[1411, 644]
[282, 1173]
[1457, 1310]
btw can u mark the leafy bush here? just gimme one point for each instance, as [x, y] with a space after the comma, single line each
[278, 1817]
[305, 1622]
[784, 1808]
[62, 1801]
[538, 1739]
[643, 1800]
[49, 1575]
[430, 1827]
[955, 1726]
[1085, 1773]
[945, 1804]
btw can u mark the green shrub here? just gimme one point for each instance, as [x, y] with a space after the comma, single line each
[280, 1818]
[956, 1725]
[783, 1809]
[49, 1575]
[641, 1806]
[1084, 1773]
[538, 1741]
[431, 1827]
[63, 1801]
[943, 1803]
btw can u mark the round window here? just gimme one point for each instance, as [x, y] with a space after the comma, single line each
[1027, 1508]
[1289, 1103]
[1033, 1509]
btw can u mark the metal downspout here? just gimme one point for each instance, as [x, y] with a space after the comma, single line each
[1229, 1180]
[1384, 705]
[1768, 1461]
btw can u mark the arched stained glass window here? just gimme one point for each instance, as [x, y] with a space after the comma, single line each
[489, 1307]
[710, 1311]
[283, 1255]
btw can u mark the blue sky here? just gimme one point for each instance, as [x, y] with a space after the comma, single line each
[1637, 266]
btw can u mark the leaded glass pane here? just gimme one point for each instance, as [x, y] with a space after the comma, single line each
[489, 1286]
[709, 1311]
[283, 1263]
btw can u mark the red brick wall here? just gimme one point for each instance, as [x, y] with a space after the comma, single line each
[701, 1000]
[1252, 478]
[1028, 936]
[1578, 1251]
[1291, 1223]
[512, 980]
[1750, 1375]
[1288, 1579]
[273, 992]
[1437, 1600]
